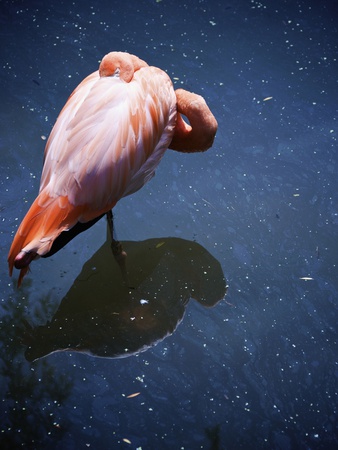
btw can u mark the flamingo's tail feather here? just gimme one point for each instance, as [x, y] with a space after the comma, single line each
[45, 220]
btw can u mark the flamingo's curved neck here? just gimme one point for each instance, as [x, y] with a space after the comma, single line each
[121, 63]
[200, 134]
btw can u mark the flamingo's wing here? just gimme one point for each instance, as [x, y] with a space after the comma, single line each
[109, 138]
[106, 144]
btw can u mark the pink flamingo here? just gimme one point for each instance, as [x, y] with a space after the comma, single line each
[106, 144]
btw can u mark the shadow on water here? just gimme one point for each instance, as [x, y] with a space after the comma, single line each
[102, 316]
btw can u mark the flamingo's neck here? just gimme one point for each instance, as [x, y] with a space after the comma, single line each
[122, 64]
[200, 134]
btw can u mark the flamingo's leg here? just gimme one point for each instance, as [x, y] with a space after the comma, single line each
[119, 254]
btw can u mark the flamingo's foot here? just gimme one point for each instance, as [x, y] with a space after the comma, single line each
[121, 258]
[119, 254]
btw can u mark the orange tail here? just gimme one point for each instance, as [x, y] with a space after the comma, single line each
[45, 220]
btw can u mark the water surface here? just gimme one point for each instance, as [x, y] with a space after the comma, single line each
[257, 369]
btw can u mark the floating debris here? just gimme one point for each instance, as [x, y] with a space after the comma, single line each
[127, 441]
[267, 98]
[306, 278]
[160, 244]
[133, 395]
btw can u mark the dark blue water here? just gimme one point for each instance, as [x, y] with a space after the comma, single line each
[256, 369]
